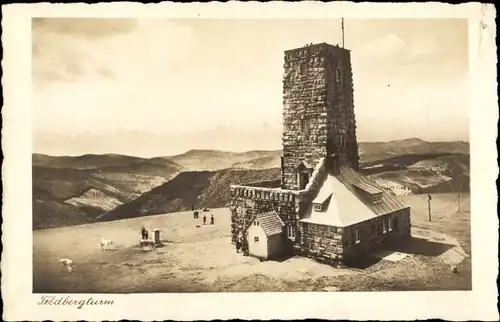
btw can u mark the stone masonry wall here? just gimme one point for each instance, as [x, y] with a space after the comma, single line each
[372, 235]
[317, 109]
[249, 200]
[340, 102]
[305, 120]
[322, 243]
[246, 202]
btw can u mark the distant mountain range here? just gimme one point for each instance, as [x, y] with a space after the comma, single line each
[82, 189]
[368, 152]
[148, 144]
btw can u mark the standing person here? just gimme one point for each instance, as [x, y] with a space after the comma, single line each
[144, 232]
[212, 219]
[244, 247]
[238, 242]
[204, 219]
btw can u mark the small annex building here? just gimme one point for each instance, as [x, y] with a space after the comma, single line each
[265, 235]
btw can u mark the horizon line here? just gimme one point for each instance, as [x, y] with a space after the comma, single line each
[235, 152]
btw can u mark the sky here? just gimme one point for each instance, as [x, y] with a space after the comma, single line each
[104, 77]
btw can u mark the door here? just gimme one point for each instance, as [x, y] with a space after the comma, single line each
[303, 179]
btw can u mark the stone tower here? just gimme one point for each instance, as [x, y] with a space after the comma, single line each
[318, 112]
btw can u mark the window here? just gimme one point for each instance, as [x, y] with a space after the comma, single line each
[303, 68]
[376, 198]
[317, 207]
[389, 224]
[342, 140]
[384, 225]
[291, 232]
[303, 125]
[357, 236]
[337, 76]
[256, 239]
[257, 224]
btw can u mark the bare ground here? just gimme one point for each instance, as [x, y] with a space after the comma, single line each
[201, 259]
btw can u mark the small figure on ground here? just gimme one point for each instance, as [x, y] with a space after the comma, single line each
[244, 247]
[144, 233]
[212, 219]
[204, 219]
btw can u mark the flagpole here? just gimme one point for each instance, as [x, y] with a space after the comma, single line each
[342, 32]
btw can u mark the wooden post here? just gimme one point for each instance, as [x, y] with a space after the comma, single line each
[429, 204]
[156, 236]
[459, 203]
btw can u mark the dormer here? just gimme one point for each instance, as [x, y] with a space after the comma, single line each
[304, 166]
[321, 202]
[370, 193]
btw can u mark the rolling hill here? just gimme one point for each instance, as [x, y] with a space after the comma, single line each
[87, 161]
[210, 160]
[368, 152]
[192, 188]
[421, 173]
[372, 151]
[74, 190]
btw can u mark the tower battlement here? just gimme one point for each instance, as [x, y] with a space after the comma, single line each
[315, 50]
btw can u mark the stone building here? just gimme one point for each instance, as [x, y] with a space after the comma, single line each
[265, 235]
[330, 212]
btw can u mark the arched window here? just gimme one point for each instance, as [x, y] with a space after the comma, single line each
[337, 76]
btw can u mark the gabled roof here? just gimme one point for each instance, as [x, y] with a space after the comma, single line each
[304, 165]
[347, 207]
[270, 222]
[389, 202]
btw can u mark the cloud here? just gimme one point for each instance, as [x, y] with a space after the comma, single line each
[391, 46]
[85, 27]
[72, 49]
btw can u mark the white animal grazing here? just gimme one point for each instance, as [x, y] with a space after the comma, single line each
[105, 243]
[68, 263]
